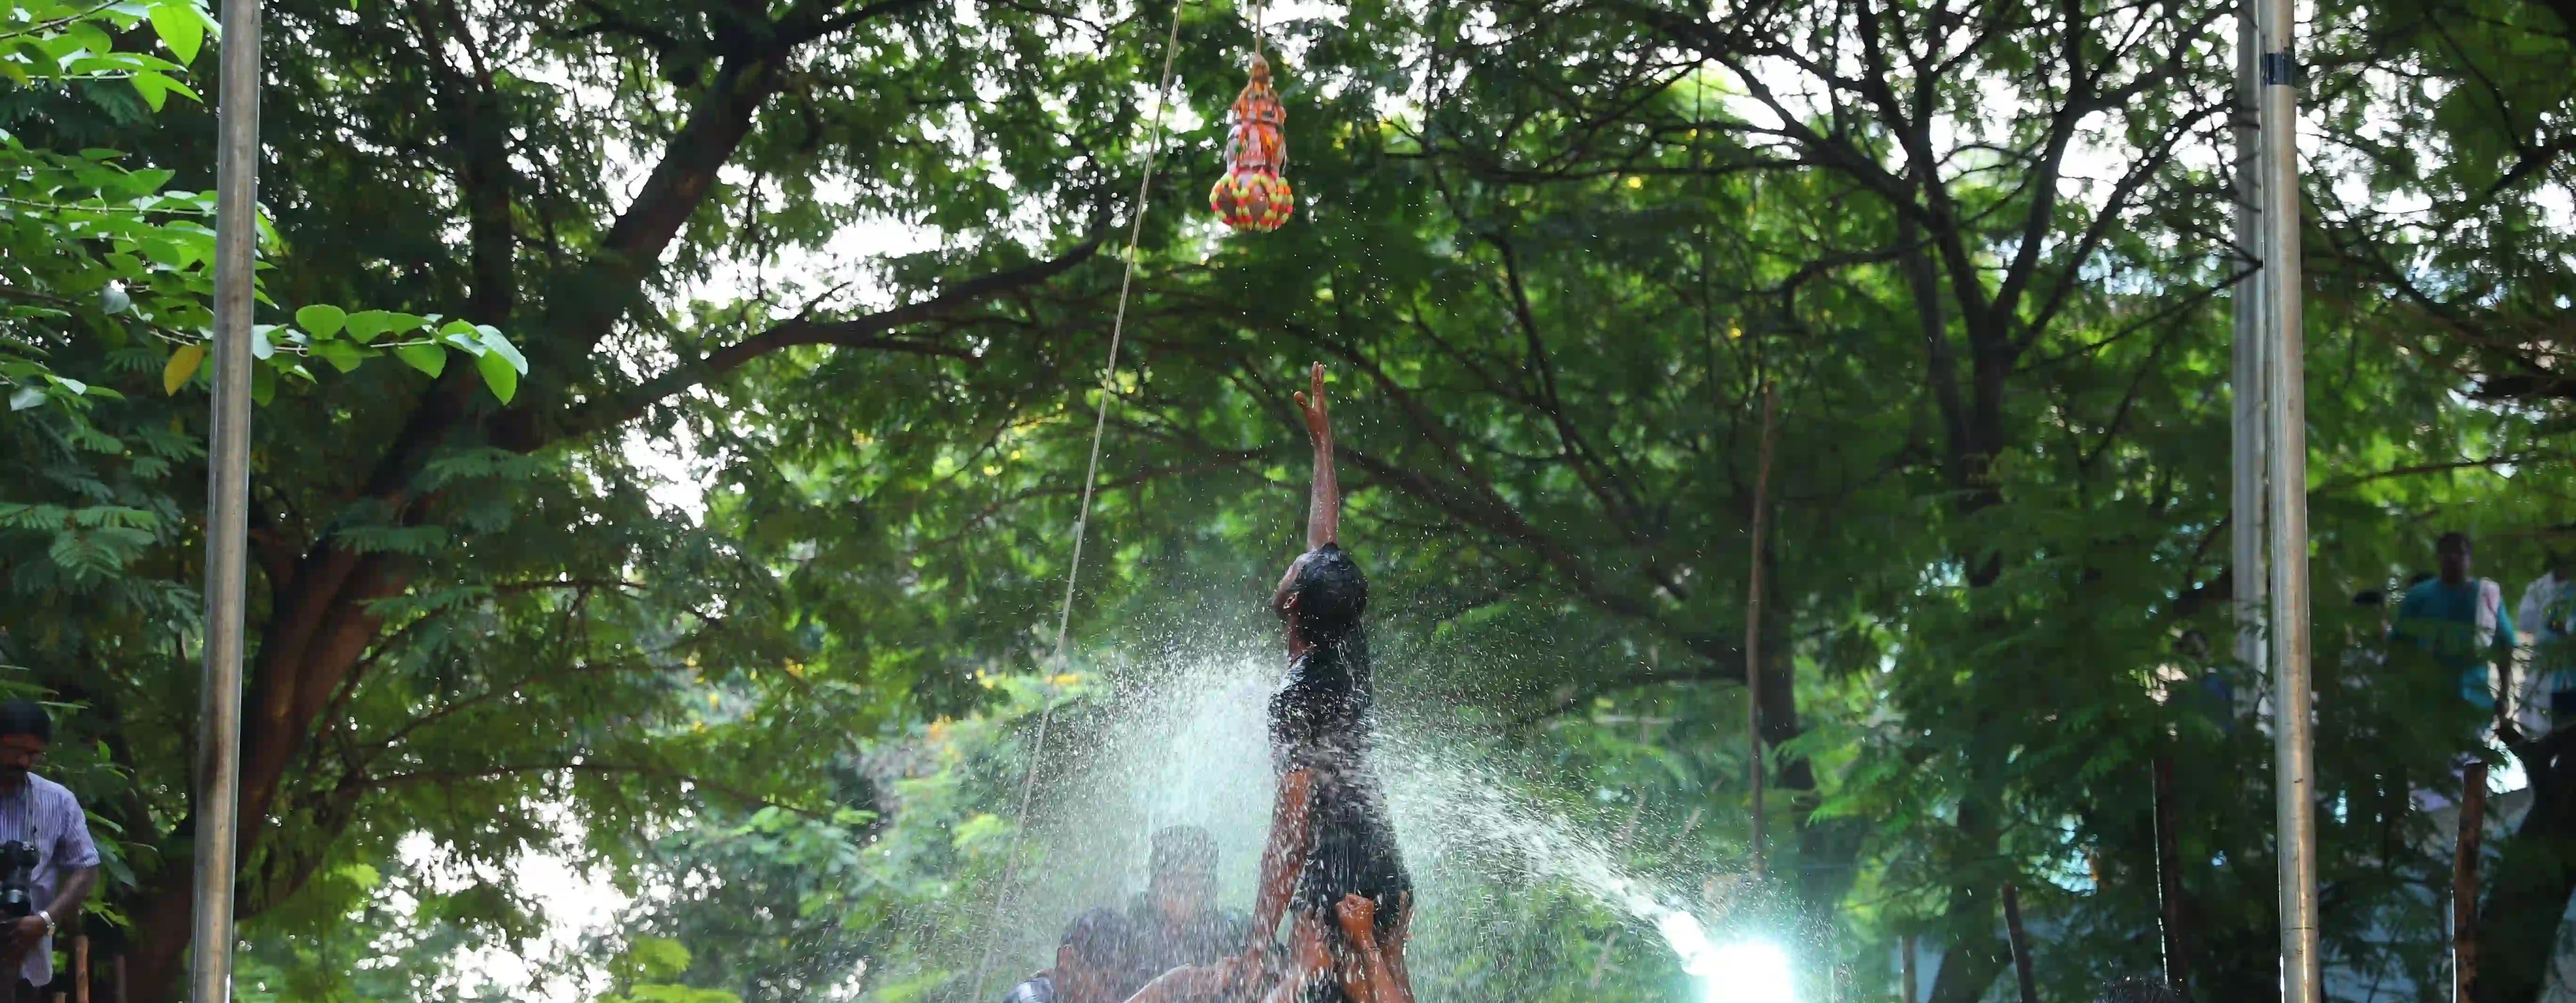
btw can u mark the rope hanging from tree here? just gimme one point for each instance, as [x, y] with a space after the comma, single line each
[1251, 196]
[1082, 518]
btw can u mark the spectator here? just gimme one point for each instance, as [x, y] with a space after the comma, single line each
[1089, 967]
[2548, 614]
[1177, 923]
[2460, 621]
[46, 817]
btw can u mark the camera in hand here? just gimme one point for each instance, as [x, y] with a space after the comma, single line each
[17, 880]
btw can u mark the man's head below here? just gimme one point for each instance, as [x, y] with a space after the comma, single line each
[1091, 960]
[25, 730]
[1184, 873]
[2454, 550]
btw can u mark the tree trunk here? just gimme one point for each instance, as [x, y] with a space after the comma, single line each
[2020, 941]
[1975, 956]
[2535, 876]
[315, 635]
[2173, 910]
[158, 956]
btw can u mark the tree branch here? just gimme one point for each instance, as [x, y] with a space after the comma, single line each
[865, 332]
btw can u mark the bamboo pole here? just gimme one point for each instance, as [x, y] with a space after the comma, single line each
[218, 782]
[1905, 963]
[2286, 462]
[1753, 632]
[2464, 885]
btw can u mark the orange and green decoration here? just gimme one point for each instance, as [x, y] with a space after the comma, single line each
[1252, 196]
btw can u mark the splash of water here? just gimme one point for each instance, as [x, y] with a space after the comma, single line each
[1185, 744]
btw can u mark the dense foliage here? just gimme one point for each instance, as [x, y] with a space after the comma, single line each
[730, 570]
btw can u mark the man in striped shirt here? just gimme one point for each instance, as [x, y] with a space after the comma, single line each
[45, 816]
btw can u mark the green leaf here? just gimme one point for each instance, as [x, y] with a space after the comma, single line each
[427, 358]
[113, 299]
[368, 325]
[26, 397]
[323, 319]
[154, 87]
[499, 375]
[501, 346]
[342, 355]
[182, 368]
[260, 347]
[263, 385]
[181, 28]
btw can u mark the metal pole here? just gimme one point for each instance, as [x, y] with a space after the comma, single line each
[210, 965]
[2251, 573]
[2286, 408]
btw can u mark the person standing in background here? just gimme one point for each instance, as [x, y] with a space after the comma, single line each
[2547, 614]
[44, 817]
[2459, 620]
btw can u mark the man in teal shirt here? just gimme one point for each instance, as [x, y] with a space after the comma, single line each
[2459, 620]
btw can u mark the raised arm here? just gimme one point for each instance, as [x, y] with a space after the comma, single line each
[1324, 511]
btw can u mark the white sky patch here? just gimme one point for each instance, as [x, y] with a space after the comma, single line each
[575, 906]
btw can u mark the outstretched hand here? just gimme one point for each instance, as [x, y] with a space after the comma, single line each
[1310, 403]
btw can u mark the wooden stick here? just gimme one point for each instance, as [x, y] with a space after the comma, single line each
[1753, 630]
[2169, 882]
[80, 968]
[2020, 945]
[2464, 885]
[1905, 962]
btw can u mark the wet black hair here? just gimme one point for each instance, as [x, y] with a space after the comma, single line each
[26, 717]
[2453, 537]
[1097, 937]
[1331, 595]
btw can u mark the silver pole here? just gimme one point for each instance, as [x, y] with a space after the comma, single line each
[2286, 408]
[2252, 574]
[210, 965]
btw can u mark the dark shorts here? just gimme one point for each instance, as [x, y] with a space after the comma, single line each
[1358, 860]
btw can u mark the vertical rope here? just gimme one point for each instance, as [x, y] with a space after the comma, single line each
[1082, 518]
